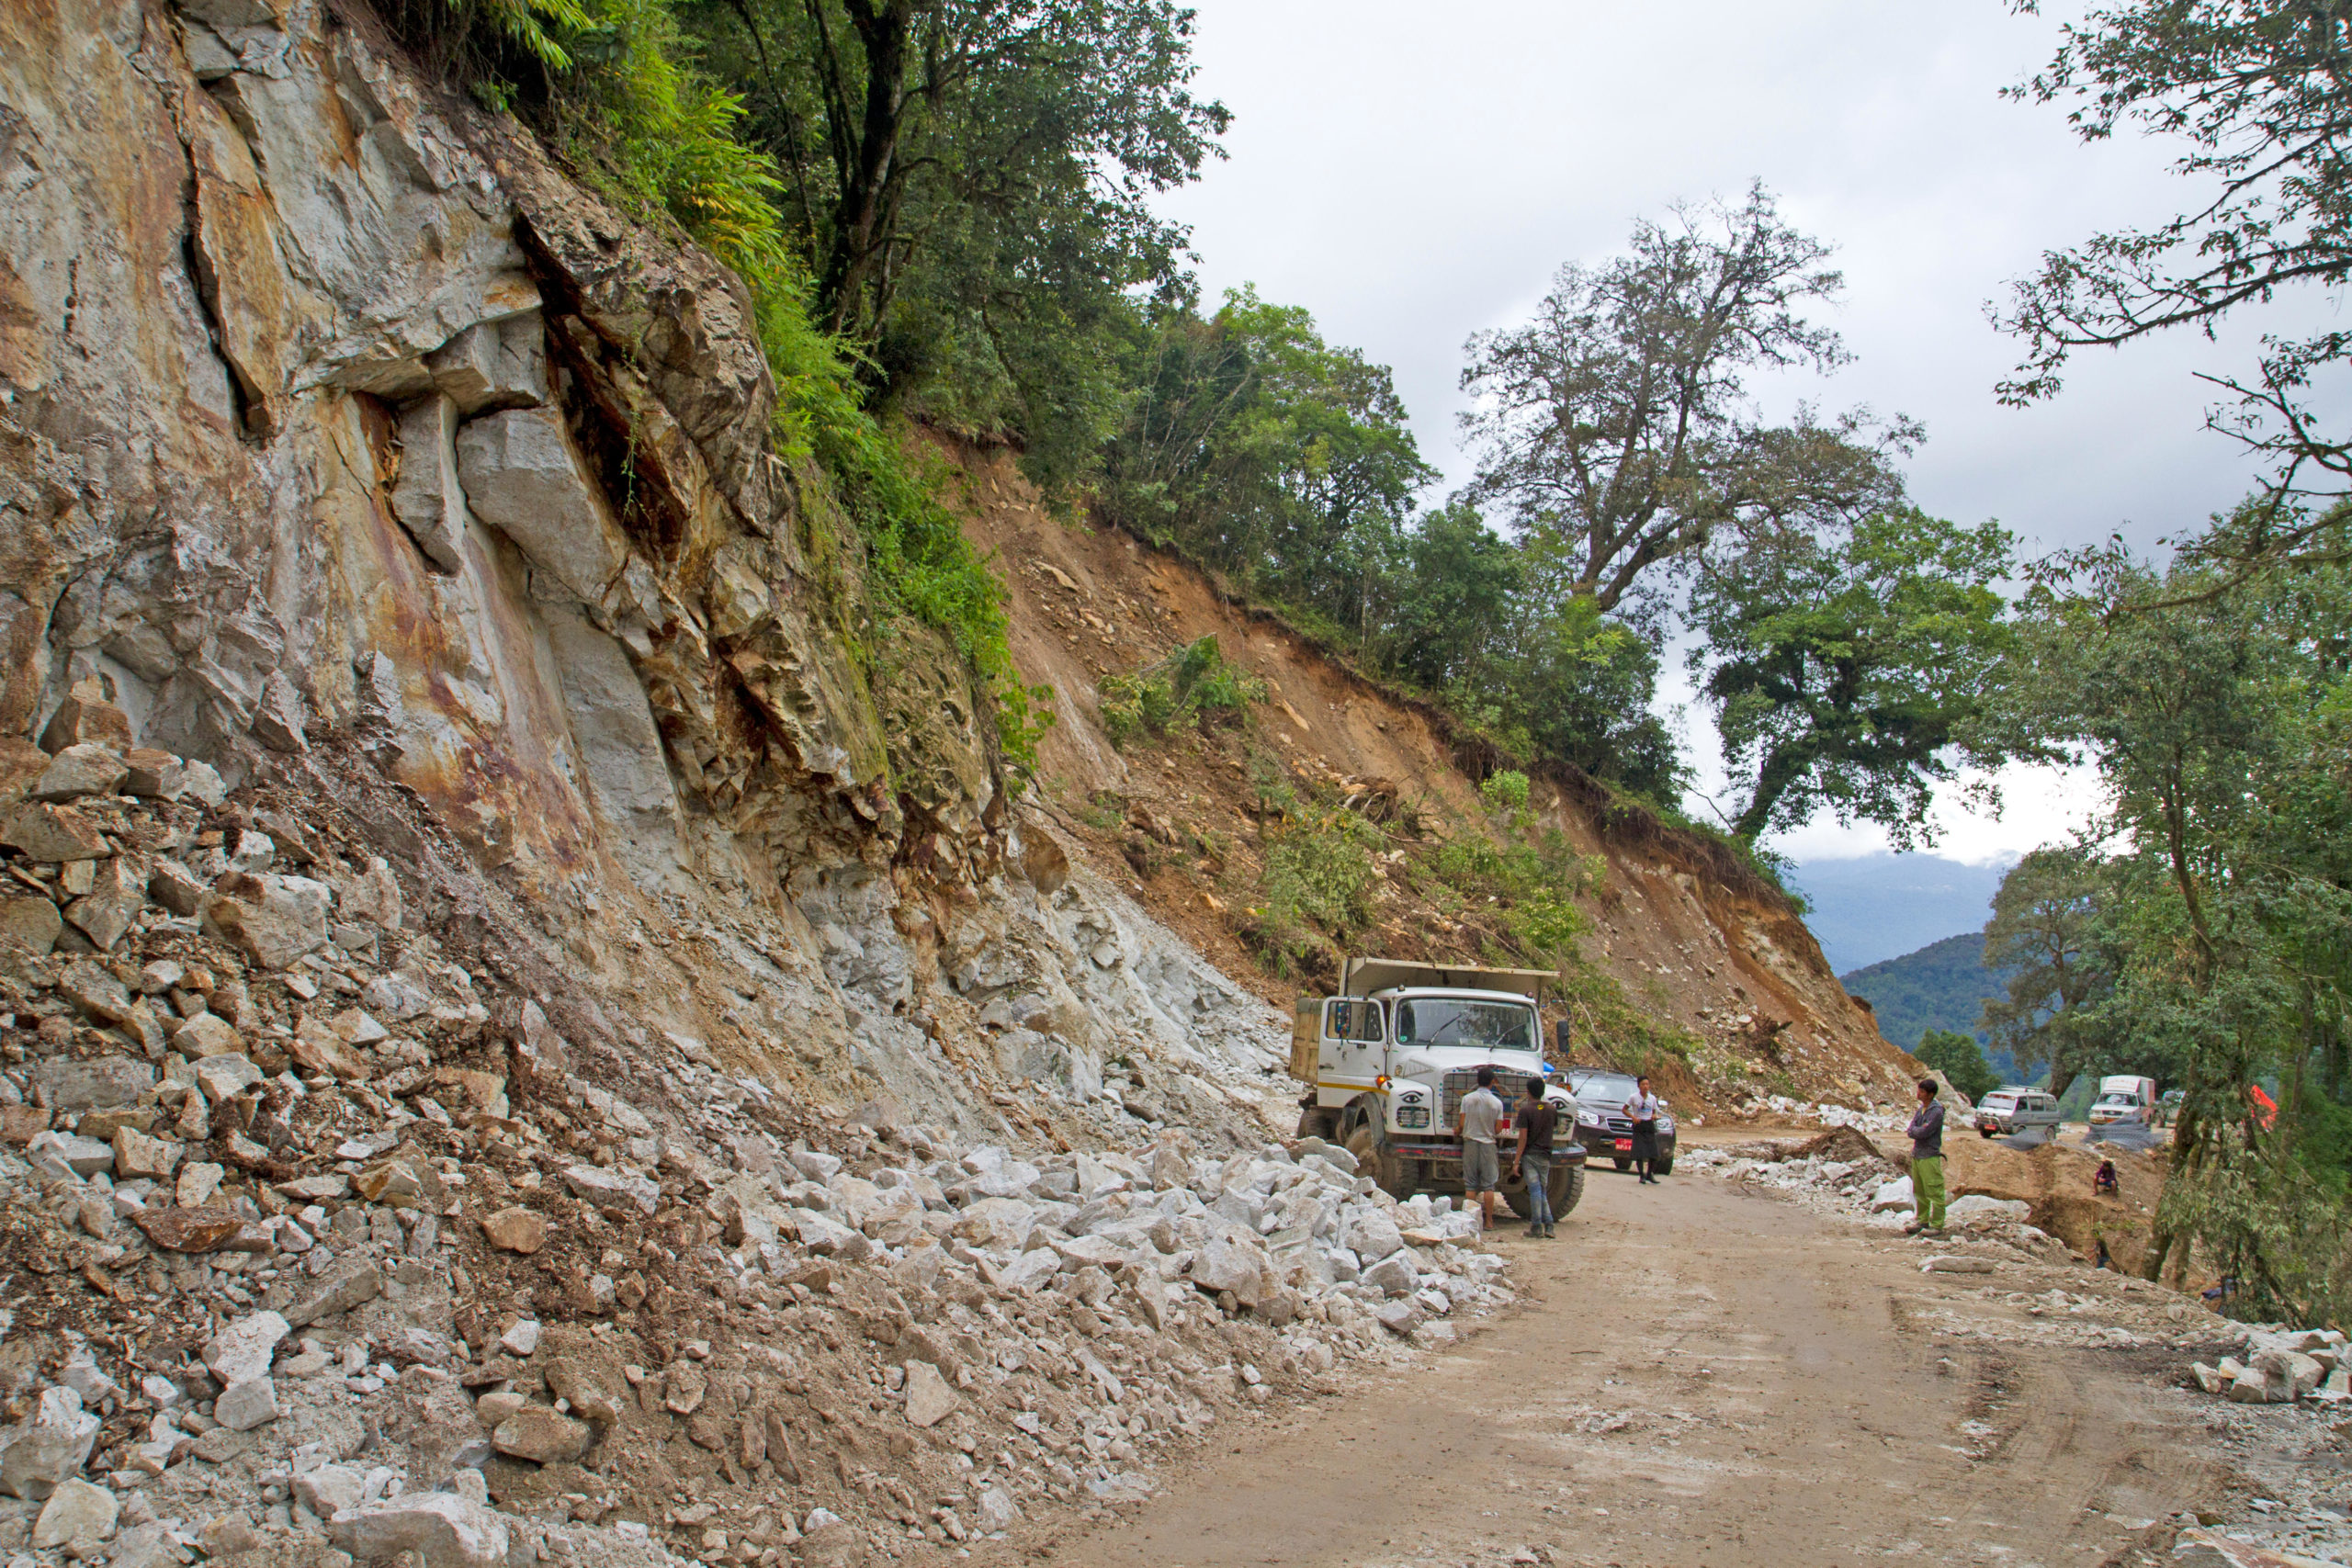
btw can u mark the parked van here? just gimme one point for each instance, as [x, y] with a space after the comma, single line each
[2016, 1109]
[2125, 1098]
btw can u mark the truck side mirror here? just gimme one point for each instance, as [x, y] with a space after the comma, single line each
[1560, 1036]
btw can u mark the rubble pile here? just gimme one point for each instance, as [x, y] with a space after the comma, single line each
[1869, 1118]
[319, 1244]
[2280, 1366]
[1840, 1173]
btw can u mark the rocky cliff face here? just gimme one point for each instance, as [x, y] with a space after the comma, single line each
[343, 432]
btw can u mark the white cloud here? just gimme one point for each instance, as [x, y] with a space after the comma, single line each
[1412, 176]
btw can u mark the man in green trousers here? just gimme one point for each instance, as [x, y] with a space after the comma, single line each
[1927, 1131]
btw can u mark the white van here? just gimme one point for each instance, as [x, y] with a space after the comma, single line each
[2016, 1109]
[2125, 1098]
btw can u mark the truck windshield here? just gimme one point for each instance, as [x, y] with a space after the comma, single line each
[1439, 1021]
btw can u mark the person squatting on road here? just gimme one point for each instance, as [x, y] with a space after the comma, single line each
[1532, 1164]
[1927, 1131]
[1642, 1111]
[1482, 1109]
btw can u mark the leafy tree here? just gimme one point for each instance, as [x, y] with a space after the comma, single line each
[2048, 933]
[972, 180]
[2259, 93]
[1960, 1059]
[1578, 687]
[1852, 672]
[1614, 425]
[1452, 603]
[2213, 703]
[1271, 457]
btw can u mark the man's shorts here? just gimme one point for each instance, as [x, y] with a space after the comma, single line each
[1481, 1167]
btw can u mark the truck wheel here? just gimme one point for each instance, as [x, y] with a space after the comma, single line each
[1567, 1190]
[1317, 1122]
[1566, 1186]
[1373, 1160]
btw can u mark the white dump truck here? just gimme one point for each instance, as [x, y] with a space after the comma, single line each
[1387, 1061]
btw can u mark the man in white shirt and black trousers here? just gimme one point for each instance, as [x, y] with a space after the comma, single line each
[1642, 1111]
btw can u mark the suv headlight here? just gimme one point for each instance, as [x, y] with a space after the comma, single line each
[1588, 1118]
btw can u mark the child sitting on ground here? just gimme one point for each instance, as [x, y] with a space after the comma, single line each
[2103, 1182]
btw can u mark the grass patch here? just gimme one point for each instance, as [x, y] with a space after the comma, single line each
[1316, 894]
[1192, 683]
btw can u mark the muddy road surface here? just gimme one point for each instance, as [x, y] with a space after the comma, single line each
[1700, 1375]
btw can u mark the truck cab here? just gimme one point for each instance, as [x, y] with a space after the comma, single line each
[1387, 1062]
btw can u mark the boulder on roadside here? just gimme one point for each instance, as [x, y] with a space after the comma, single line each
[315, 1049]
[2288, 1374]
[33, 921]
[55, 1154]
[274, 918]
[241, 1407]
[515, 1230]
[1977, 1208]
[543, 1435]
[48, 1447]
[444, 1529]
[244, 1349]
[612, 1188]
[929, 1399]
[78, 771]
[53, 833]
[78, 1517]
[86, 718]
[137, 1155]
[207, 1228]
[1393, 1274]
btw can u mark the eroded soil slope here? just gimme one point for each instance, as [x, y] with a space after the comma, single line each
[1689, 936]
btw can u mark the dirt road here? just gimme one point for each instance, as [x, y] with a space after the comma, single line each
[1696, 1375]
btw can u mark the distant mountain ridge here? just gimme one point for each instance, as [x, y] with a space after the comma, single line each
[1870, 909]
[1941, 985]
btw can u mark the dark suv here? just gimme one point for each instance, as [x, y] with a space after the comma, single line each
[1602, 1126]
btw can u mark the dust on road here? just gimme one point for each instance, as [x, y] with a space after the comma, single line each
[1699, 1375]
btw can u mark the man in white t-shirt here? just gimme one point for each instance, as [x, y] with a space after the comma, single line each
[1482, 1112]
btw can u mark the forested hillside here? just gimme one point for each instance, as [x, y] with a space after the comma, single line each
[1942, 985]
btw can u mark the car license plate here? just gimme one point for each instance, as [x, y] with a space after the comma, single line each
[1624, 1145]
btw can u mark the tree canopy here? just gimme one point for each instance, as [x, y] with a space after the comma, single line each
[1851, 672]
[2258, 94]
[1615, 426]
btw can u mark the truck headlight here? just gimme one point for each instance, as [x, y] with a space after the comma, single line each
[1413, 1116]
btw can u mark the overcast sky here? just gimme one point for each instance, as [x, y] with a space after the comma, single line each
[1412, 174]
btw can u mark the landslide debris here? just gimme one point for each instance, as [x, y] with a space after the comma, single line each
[317, 1241]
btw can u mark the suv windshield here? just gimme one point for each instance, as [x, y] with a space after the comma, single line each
[1439, 1021]
[1606, 1089]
